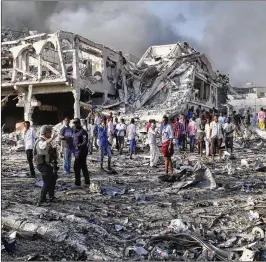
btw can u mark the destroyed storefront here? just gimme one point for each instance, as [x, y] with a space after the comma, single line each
[49, 76]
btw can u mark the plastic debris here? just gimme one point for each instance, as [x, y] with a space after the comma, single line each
[113, 191]
[141, 251]
[253, 215]
[177, 226]
[244, 163]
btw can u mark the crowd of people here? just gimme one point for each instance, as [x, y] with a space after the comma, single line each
[200, 129]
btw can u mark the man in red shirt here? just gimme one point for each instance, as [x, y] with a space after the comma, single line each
[177, 133]
[148, 126]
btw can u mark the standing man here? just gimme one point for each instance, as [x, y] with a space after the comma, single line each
[192, 130]
[132, 133]
[115, 134]
[95, 137]
[66, 134]
[183, 131]
[247, 119]
[221, 119]
[198, 111]
[261, 119]
[200, 134]
[216, 135]
[29, 140]
[177, 134]
[111, 131]
[103, 142]
[80, 148]
[90, 136]
[98, 119]
[154, 150]
[42, 159]
[121, 133]
[228, 134]
[207, 138]
[167, 147]
[148, 126]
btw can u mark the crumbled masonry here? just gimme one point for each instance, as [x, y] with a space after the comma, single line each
[131, 214]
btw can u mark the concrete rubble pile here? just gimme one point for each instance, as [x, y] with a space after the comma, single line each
[162, 82]
[215, 211]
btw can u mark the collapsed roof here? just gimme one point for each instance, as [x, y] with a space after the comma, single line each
[164, 80]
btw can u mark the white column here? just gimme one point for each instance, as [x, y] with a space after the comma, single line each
[76, 94]
[76, 79]
[39, 67]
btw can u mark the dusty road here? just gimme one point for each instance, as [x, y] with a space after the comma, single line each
[134, 205]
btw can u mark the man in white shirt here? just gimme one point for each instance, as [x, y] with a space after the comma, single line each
[98, 119]
[91, 127]
[229, 129]
[132, 133]
[110, 130]
[216, 135]
[29, 140]
[121, 129]
[154, 150]
[207, 138]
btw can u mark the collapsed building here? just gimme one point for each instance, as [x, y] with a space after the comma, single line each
[48, 76]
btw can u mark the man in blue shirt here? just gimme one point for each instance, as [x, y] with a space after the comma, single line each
[80, 149]
[103, 142]
[189, 114]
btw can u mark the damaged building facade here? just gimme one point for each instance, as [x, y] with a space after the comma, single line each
[49, 76]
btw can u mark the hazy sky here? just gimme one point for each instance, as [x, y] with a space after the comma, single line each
[231, 33]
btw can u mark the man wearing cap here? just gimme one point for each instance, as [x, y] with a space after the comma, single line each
[80, 149]
[42, 160]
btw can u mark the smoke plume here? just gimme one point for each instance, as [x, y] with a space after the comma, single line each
[234, 38]
[127, 26]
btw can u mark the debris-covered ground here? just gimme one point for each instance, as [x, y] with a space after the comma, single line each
[216, 211]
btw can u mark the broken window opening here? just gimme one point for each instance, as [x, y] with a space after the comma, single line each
[51, 65]
[54, 108]
[11, 114]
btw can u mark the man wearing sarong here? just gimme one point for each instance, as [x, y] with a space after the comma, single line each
[167, 147]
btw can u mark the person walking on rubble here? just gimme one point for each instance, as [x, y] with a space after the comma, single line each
[121, 133]
[154, 150]
[132, 133]
[167, 147]
[95, 137]
[29, 140]
[262, 119]
[111, 131]
[103, 142]
[80, 149]
[177, 134]
[216, 135]
[200, 134]
[42, 159]
[183, 131]
[247, 119]
[228, 134]
[66, 134]
[115, 134]
[192, 130]
[207, 137]
[90, 136]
